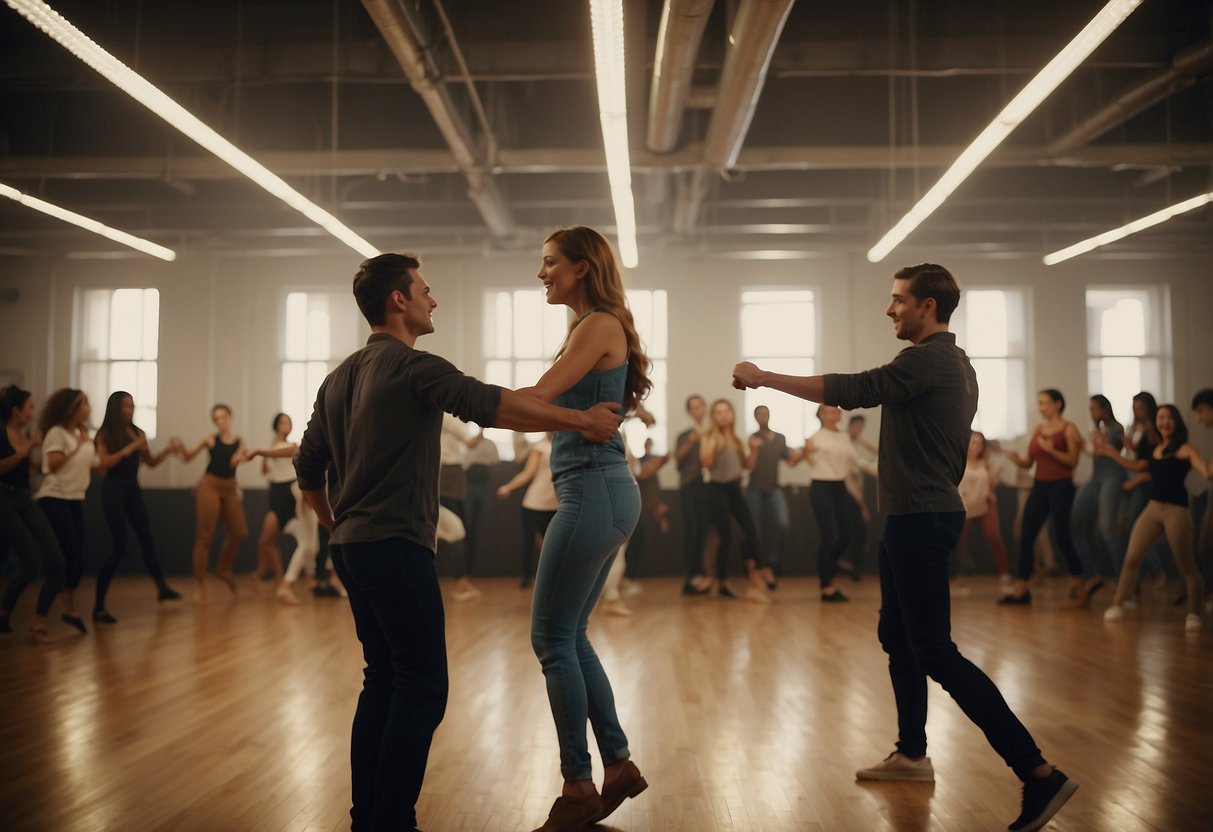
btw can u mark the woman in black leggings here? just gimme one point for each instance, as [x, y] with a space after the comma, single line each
[121, 446]
[22, 523]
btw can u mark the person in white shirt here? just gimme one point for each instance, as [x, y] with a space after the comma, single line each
[831, 456]
[452, 491]
[285, 506]
[539, 503]
[478, 469]
[981, 509]
[68, 459]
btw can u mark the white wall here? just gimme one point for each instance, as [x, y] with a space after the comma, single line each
[221, 328]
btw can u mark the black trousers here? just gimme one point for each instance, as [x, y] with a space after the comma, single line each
[122, 501]
[725, 502]
[67, 521]
[32, 541]
[692, 504]
[916, 632]
[1055, 501]
[398, 615]
[534, 527]
[833, 508]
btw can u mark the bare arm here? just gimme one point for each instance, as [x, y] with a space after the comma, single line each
[590, 342]
[522, 412]
[318, 501]
[1205, 469]
[708, 451]
[528, 472]
[109, 460]
[1134, 465]
[188, 454]
[1068, 457]
[21, 451]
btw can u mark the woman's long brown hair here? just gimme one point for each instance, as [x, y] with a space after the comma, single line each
[604, 288]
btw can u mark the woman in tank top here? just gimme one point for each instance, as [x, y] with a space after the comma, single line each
[121, 446]
[1166, 513]
[218, 496]
[285, 506]
[1054, 449]
[1097, 506]
[539, 503]
[602, 360]
[724, 457]
[68, 458]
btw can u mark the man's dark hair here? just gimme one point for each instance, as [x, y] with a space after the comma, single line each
[929, 280]
[692, 398]
[1203, 397]
[858, 417]
[377, 278]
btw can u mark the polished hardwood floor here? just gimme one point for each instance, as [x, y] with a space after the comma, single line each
[235, 716]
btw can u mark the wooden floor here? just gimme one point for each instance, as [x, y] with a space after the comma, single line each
[235, 716]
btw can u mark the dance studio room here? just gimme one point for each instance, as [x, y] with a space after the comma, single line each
[623, 415]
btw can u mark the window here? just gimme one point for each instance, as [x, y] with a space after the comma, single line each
[522, 334]
[322, 328]
[1128, 340]
[119, 343]
[779, 333]
[990, 325]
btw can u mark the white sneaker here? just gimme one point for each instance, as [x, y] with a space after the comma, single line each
[897, 766]
[469, 594]
[1113, 613]
[1192, 622]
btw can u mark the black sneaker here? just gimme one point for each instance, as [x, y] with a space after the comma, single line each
[1042, 798]
[1012, 600]
[168, 594]
[104, 616]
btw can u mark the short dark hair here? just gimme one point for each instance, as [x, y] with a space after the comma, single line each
[220, 406]
[377, 278]
[692, 398]
[1056, 395]
[930, 280]
[277, 418]
[761, 407]
[858, 417]
[1203, 397]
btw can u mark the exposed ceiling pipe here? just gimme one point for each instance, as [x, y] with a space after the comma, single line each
[406, 35]
[678, 40]
[752, 39]
[1187, 66]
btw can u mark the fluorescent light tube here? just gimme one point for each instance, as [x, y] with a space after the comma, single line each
[606, 17]
[137, 243]
[143, 91]
[1037, 90]
[1128, 228]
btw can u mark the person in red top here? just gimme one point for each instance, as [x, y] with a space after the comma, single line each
[1054, 450]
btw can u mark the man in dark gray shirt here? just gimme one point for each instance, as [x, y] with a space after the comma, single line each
[692, 496]
[768, 505]
[929, 395]
[374, 440]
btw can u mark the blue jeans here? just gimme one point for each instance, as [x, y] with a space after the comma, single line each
[398, 616]
[1094, 525]
[769, 509]
[916, 631]
[598, 510]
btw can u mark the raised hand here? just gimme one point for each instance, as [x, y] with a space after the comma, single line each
[746, 375]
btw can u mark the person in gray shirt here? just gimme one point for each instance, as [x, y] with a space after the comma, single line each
[929, 395]
[373, 440]
[768, 505]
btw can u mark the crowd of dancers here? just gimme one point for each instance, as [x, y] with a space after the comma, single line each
[384, 468]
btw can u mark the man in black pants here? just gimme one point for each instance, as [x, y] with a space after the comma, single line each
[692, 494]
[929, 394]
[373, 439]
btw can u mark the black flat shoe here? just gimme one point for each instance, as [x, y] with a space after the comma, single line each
[6, 626]
[168, 594]
[1013, 600]
[75, 620]
[726, 591]
[834, 597]
[104, 617]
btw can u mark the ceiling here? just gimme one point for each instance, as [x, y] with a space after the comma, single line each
[864, 104]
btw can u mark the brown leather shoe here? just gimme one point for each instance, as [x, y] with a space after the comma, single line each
[569, 813]
[629, 783]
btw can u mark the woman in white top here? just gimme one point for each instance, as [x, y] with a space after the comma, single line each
[832, 456]
[68, 459]
[538, 503]
[981, 509]
[278, 463]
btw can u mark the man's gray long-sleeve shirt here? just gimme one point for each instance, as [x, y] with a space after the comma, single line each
[929, 394]
[375, 432]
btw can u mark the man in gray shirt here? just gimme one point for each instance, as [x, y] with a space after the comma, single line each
[373, 439]
[929, 395]
[768, 505]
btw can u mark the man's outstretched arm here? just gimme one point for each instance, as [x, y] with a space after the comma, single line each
[811, 388]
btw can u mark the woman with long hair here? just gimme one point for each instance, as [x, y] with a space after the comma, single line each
[277, 463]
[68, 458]
[725, 456]
[981, 510]
[1054, 449]
[601, 360]
[1143, 439]
[217, 495]
[24, 526]
[121, 446]
[832, 457]
[1097, 506]
[1166, 513]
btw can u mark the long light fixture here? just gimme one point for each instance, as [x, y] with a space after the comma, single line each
[1128, 228]
[606, 18]
[143, 91]
[137, 243]
[1022, 105]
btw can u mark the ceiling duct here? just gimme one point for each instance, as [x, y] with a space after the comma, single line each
[406, 35]
[1185, 69]
[678, 40]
